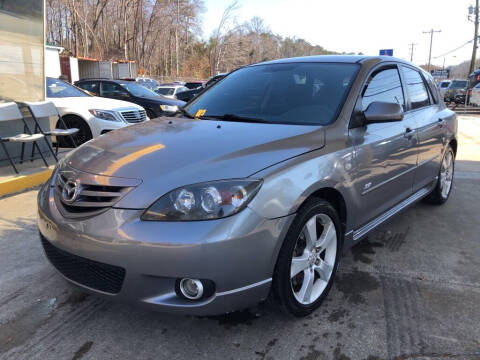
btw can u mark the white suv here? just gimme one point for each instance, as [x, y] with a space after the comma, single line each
[92, 115]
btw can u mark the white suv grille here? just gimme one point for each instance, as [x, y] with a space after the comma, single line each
[134, 116]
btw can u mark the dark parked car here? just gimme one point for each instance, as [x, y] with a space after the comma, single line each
[290, 163]
[194, 84]
[190, 94]
[474, 79]
[154, 104]
[456, 87]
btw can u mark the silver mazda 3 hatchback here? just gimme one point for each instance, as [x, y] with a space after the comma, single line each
[256, 188]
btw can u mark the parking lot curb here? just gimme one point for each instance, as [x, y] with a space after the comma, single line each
[22, 182]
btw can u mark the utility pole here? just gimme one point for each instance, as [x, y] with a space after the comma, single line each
[411, 51]
[431, 41]
[475, 38]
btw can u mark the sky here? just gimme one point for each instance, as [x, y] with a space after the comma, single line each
[363, 25]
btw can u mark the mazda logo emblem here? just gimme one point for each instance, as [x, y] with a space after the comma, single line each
[70, 191]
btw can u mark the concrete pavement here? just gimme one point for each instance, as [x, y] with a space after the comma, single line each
[409, 291]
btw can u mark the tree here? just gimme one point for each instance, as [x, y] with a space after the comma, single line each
[163, 36]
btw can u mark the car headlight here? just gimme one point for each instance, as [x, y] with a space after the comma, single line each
[204, 201]
[104, 115]
[169, 108]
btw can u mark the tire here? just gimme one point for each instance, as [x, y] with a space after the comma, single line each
[82, 136]
[443, 188]
[151, 114]
[319, 264]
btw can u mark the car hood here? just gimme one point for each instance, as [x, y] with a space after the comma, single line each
[163, 100]
[167, 153]
[91, 102]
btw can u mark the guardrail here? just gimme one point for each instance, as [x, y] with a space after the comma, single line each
[464, 109]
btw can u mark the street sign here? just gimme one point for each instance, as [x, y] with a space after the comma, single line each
[441, 73]
[387, 52]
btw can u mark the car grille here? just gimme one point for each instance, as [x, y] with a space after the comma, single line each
[92, 199]
[134, 116]
[90, 273]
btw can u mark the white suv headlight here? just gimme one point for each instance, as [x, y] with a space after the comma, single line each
[105, 115]
[204, 201]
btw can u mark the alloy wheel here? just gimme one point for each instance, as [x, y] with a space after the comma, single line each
[446, 174]
[313, 259]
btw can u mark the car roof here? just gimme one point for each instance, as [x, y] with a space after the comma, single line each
[104, 79]
[348, 59]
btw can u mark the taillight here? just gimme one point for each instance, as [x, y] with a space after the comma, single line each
[469, 92]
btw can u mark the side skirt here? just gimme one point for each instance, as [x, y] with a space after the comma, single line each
[354, 236]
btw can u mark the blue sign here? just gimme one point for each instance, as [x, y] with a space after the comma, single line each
[387, 52]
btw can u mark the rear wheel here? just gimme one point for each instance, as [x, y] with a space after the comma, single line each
[442, 190]
[308, 258]
[83, 135]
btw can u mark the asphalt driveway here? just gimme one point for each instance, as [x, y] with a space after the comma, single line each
[409, 291]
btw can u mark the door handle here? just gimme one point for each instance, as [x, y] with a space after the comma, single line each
[408, 133]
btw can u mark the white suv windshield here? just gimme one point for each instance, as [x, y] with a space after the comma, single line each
[289, 93]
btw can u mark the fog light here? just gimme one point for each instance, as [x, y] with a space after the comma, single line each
[191, 288]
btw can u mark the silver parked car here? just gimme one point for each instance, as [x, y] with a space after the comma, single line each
[256, 188]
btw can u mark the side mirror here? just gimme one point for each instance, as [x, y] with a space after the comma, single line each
[378, 112]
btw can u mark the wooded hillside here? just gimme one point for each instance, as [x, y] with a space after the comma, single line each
[164, 36]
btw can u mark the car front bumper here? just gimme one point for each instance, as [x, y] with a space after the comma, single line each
[237, 253]
[100, 126]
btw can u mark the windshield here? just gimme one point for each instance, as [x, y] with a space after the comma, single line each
[166, 90]
[137, 90]
[444, 84]
[290, 93]
[61, 89]
[458, 84]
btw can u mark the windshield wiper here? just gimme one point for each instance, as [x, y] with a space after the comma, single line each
[233, 117]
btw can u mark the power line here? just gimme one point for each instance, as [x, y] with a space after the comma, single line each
[451, 51]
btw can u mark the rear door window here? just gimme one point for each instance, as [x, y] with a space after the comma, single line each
[432, 87]
[416, 89]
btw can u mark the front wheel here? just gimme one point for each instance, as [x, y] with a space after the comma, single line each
[308, 258]
[82, 136]
[151, 114]
[442, 190]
